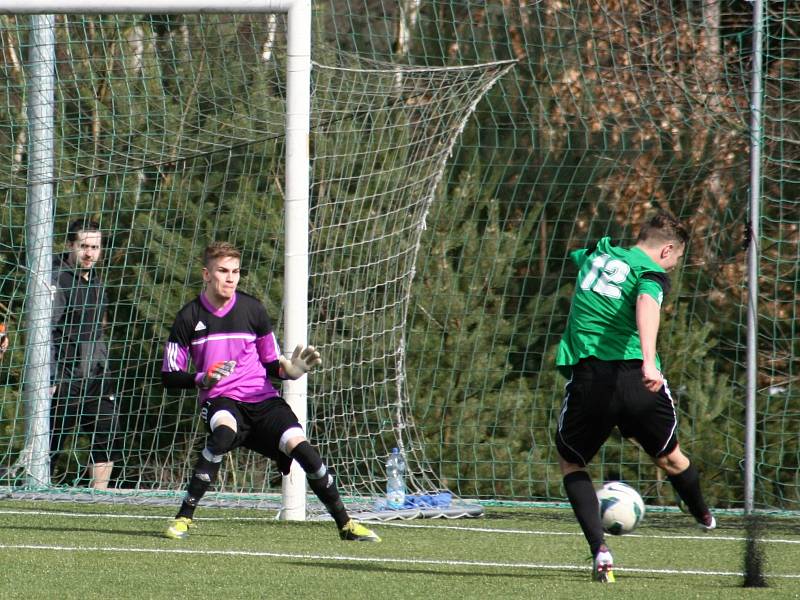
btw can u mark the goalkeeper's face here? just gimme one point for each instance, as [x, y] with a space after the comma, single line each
[221, 277]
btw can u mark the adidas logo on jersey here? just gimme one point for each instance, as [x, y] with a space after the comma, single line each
[200, 326]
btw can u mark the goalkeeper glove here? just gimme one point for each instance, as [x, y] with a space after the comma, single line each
[302, 361]
[220, 369]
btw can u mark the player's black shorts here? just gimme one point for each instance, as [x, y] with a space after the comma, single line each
[604, 394]
[84, 407]
[259, 425]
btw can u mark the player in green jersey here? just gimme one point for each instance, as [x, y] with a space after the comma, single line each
[608, 352]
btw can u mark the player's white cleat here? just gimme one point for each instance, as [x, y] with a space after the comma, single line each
[708, 523]
[603, 566]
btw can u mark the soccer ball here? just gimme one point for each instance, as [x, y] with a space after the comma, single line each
[621, 507]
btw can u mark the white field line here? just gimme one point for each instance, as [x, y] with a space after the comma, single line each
[705, 536]
[376, 560]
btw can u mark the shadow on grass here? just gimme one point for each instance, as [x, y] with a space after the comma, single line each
[654, 519]
[146, 533]
[382, 567]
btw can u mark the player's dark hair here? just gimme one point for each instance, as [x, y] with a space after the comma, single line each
[664, 227]
[82, 224]
[216, 250]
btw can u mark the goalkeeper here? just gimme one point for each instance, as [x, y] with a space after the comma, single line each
[229, 339]
[608, 351]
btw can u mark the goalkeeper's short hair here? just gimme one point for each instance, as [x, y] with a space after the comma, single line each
[216, 250]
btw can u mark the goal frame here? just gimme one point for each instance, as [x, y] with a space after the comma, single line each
[40, 105]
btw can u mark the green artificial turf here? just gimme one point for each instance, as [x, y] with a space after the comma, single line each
[62, 550]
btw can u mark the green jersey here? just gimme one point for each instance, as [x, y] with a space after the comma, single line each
[602, 320]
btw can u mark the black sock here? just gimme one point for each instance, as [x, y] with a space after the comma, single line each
[321, 481]
[687, 484]
[583, 499]
[326, 491]
[204, 474]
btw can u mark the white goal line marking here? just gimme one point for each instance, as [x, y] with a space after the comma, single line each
[384, 560]
[705, 536]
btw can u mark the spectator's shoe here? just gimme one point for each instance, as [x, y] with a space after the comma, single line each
[603, 566]
[708, 523]
[179, 529]
[354, 531]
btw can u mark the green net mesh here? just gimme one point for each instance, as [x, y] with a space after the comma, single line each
[439, 281]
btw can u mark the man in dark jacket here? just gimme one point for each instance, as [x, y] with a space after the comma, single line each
[81, 404]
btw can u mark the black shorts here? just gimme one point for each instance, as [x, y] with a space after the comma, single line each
[259, 425]
[83, 407]
[603, 394]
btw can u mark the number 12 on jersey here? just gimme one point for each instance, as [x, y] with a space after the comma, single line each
[606, 276]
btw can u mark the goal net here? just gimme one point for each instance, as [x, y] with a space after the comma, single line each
[170, 133]
[377, 165]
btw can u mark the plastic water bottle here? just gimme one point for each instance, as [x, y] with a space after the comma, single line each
[395, 480]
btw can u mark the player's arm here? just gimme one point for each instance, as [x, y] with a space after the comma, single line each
[177, 380]
[206, 380]
[175, 376]
[175, 367]
[648, 320]
[303, 360]
[648, 317]
[277, 365]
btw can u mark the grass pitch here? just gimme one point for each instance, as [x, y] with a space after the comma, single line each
[62, 550]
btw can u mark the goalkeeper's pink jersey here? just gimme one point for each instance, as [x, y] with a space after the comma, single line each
[239, 331]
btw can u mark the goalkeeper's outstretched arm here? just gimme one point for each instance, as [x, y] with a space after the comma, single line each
[301, 362]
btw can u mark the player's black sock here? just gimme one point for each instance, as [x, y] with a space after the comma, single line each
[583, 499]
[204, 473]
[321, 481]
[687, 484]
[326, 491]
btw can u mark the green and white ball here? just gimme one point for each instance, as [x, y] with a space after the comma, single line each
[621, 507]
